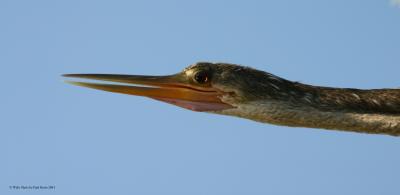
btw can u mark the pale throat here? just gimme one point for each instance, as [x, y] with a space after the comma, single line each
[282, 113]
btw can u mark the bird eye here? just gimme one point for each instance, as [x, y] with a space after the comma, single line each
[201, 77]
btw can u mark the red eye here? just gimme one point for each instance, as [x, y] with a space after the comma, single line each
[201, 77]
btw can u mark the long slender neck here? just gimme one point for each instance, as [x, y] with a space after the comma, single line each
[281, 113]
[367, 111]
[364, 111]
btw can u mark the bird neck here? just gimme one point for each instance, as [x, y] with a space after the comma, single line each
[280, 113]
[363, 111]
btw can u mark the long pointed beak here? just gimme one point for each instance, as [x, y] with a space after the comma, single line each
[171, 89]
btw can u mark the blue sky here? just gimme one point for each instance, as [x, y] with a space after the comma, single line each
[87, 141]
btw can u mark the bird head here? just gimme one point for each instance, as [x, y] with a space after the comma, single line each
[202, 86]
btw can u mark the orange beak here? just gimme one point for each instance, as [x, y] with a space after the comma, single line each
[171, 89]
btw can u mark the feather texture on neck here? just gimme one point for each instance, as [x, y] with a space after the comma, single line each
[290, 115]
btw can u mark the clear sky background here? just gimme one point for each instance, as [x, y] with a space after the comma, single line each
[86, 141]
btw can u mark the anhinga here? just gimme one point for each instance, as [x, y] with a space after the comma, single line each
[231, 89]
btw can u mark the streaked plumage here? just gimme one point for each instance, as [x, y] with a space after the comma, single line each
[257, 95]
